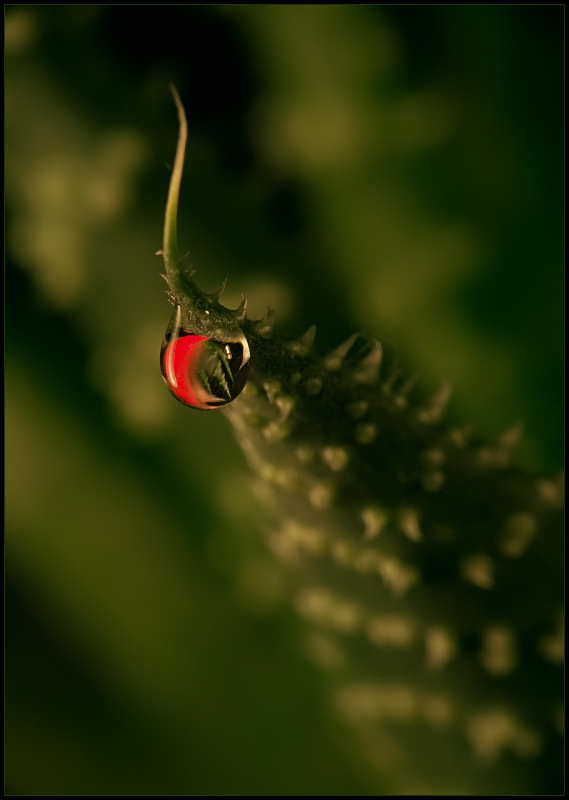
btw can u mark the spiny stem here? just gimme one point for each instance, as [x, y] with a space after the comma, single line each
[427, 564]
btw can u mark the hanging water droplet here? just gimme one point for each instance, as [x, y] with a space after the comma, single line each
[200, 371]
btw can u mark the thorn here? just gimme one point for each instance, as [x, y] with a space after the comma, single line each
[240, 312]
[407, 386]
[479, 570]
[374, 520]
[264, 326]
[393, 374]
[160, 253]
[440, 647]
[552, 646]
[218, 292]
[551, 492]
[367, 370]
[333, 360]
[400, 396]
[460, 436]
[432, 412]
[510, 438]
[303, 344]
[272, 389]
[285, 406]
[517, 533]
[408, 520]
[499, 453]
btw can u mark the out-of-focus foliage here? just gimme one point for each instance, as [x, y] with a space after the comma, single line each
[395, 169]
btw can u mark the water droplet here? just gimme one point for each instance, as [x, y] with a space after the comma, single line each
[200, 371]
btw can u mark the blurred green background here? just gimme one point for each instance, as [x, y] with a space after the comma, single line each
[394, 169]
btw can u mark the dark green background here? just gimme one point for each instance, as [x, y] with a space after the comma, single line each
[397, 169]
